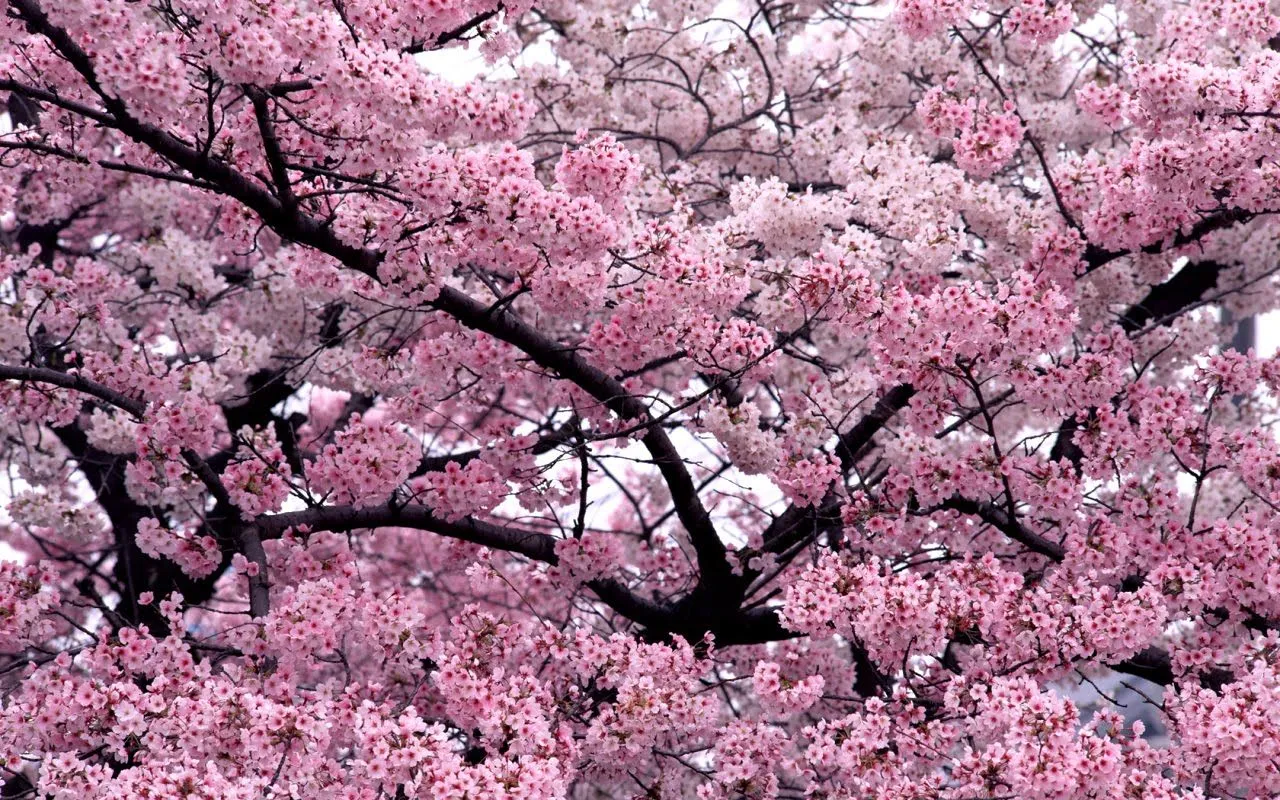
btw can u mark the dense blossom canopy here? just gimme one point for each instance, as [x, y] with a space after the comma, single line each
[712, 399]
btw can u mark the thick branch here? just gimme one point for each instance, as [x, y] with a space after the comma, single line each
[1162, 303]
[1097, 257]
[796, 522]
[659, 617]
[1165, 300]
[76, 383]
[271, 145]
[859, 436]
[1155, 665]
[340, 519]
[546, 444]
[251, 546]
[1009, 526]
[567, 363]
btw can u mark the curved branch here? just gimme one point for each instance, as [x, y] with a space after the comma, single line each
[566, 362]
[251, 545]
[1162, 304]
[790, 524]
[998, 518]
[1184, 289]
[1097, 257]
[1156, 665]
[859, 436]
[659, 617]
[341, 519]
[75, 383]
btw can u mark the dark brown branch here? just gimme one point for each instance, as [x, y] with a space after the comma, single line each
[341, 519]
[250, 544]
[1162, 304]
[859, 436]
[271, 146]
[1165, 300]
[571, 366]
[76, 383]
[456, 34]
[546, 444]
[796, 522]
[1096, 257]
[999, 519]
[1156, 665]
[659, 617]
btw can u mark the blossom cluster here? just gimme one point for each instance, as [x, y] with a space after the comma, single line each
[704, 400]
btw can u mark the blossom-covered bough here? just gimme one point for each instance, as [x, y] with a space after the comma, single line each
[710, 399]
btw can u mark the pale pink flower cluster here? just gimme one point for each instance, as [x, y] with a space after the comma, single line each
[779, 694]
[921, 18]
[1235, 730]
[161, 472]
[1041, 22]
[456, 492]
[806, 481]
[259, 482]
[988, 142]
[984, 139]
[27, 593]
[1108, 104]
[746, 755]
[602, 169]
[753, 450]
[197, 555]
[365, 464]
[588, 558]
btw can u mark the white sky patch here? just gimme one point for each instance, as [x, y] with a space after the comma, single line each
[1268, 334]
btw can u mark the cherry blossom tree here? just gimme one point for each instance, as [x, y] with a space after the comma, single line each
[709, 399]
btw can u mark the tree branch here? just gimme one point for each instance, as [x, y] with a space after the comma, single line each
[341, 519]
[1183, 289]
[1096, 257]
[271, 146]
[859, 436]
[790, 524]
[76, 383]
[998, 518]
[501, 324]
